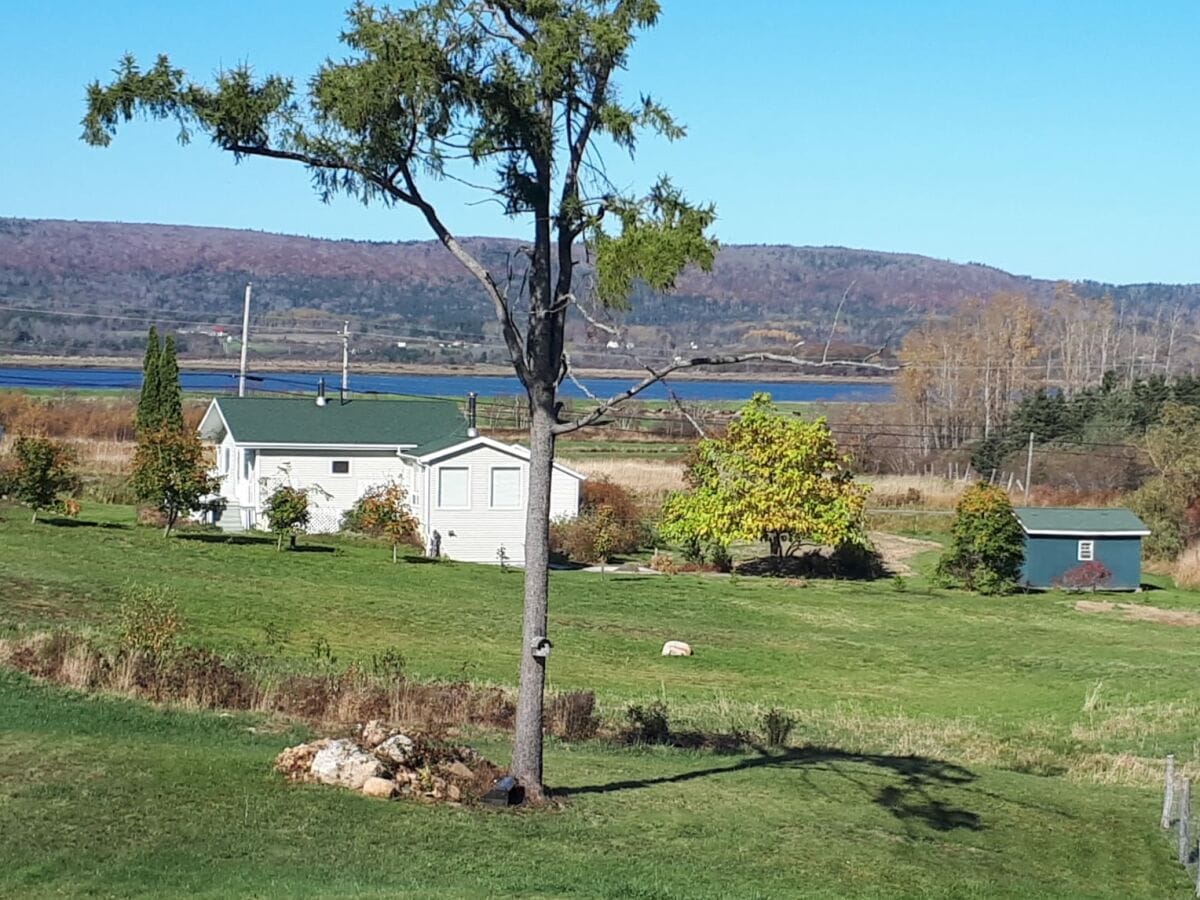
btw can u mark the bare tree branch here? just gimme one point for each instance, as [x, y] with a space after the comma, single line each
[837, 315]
[657, 375]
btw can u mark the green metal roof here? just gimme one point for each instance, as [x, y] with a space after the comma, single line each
[1074, 521]
[425, 425]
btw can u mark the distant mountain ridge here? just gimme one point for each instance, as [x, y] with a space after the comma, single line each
[101, 267]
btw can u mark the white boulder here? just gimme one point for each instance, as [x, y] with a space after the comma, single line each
[344, 762]
[676, 648]
[396, 750]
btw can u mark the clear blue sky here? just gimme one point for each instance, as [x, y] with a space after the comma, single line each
[1056, 139]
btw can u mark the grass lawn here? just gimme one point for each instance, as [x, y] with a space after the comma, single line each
[974, 747]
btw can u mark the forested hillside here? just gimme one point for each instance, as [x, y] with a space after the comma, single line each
[90, 287]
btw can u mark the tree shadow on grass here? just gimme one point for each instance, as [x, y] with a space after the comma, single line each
[84, 523]
[209, 537]
[906, 795]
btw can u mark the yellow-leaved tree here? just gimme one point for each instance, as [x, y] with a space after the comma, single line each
[772, 477]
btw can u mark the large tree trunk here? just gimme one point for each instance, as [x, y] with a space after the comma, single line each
[527, 741]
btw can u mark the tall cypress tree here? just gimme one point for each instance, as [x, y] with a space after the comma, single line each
[147, 417]
[170, 394]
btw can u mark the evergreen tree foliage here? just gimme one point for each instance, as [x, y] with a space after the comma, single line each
[147, 416]
[170, 394]
[987, 546]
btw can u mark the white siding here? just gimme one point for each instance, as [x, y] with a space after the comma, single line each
[476, 534]
[331, 495]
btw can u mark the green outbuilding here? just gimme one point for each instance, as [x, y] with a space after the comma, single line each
[1068, 547]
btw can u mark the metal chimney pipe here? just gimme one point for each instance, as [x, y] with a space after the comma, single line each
[472, 431]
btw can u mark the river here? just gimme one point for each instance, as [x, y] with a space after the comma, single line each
[446, 385]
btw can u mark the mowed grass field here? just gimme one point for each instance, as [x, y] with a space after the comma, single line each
[947, 745]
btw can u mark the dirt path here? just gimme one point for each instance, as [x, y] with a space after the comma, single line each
[896, 551]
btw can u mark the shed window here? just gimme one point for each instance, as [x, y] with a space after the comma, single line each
[340, 467]
[506, 488]
[453, 488]
[1087, 551]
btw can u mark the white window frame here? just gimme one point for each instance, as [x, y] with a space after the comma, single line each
[466, 470]
[349, 468]
[1086, 551]
[492, 486]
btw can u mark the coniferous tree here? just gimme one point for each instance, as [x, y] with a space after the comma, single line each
[147, 417]
[170, 394]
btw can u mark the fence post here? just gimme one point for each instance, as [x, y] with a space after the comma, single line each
[1185, 821]
[1168, 792]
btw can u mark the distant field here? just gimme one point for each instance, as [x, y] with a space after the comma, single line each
[947, 745]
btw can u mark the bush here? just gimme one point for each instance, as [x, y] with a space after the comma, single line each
[648, 724]
[987, 545]
[664, 563]
[777, 727]
[149, 621]
[610, 523]
[1086, 576]
[287, 513]
[572, 717]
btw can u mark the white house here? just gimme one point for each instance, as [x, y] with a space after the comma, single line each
[470, 489]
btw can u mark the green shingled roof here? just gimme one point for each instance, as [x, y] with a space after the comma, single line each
[427, 424]
[1068, 520]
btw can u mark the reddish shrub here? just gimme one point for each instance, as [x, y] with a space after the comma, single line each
[1086, 576]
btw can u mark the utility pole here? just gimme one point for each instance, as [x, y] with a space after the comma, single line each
[245, 341]
[1028, 468]
[345, 360]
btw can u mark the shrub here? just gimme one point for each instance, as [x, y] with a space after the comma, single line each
[777, 727]
[987, 545]
[1086, 576]
[388, 665]
[572, 716]
[663, 562]
[383, 511]
[42, 471]
[648, 724]
[610, 523]
[149, 621]
[1186, 570]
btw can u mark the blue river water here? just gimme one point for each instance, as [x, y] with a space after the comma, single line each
[445, 385]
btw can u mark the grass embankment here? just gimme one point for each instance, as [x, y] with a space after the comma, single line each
[986, 747]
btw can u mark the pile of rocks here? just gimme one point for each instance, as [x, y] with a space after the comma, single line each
[386, 763]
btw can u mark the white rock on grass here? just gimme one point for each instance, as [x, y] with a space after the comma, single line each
[396, 750]
[382, 788]
[345, 763]
[676, 648]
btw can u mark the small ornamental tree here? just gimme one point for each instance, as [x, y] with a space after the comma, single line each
[287, 513]
[42, 473]
[383, 511]
[772, 477]
[171, 472]
[987, 546]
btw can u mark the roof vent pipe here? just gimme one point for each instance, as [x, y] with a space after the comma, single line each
[472, 431]
[321, 401]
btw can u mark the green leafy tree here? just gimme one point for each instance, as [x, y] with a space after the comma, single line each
[522, 93]
[1169, 502]
[171, 472]
[771, 477]
[42, 473]
[287, 513]
[383, 511]
[147, 417]
[987, 546]
[169, 410]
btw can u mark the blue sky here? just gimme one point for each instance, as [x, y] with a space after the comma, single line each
[1059, 140]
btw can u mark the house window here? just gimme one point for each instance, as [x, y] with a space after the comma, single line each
[340, 467]
[453, 488]
[1087, 551]
[506, 488]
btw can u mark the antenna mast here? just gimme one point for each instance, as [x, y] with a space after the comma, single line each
[245, 341]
